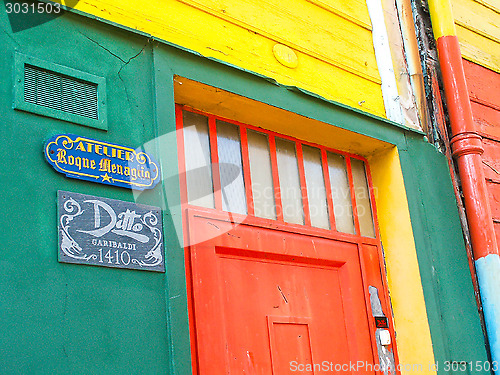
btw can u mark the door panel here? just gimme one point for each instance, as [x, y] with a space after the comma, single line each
[289, 340]
[263, 298]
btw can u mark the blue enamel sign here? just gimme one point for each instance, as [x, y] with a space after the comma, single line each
[102, 162]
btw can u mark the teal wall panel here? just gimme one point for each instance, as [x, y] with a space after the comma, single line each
[449, 294]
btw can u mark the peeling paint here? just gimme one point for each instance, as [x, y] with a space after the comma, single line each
[375, 302]
[384, 62]
[385, 355]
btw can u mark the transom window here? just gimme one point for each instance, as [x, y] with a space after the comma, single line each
[245, 170]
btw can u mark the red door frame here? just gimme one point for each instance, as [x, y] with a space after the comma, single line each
[369, 249]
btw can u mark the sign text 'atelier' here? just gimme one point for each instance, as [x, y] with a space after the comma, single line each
[106, 163]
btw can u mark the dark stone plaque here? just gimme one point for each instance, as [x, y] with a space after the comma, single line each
[111, 233]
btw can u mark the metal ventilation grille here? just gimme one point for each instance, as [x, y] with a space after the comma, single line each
[60, 92]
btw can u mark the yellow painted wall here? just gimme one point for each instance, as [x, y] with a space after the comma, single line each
[478, 30]
[403, 274]
[331, 38]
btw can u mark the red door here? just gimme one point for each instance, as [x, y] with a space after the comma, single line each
[272, 302]
[287, 290]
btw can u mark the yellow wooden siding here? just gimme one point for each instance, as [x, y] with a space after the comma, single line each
[478, 30]
[492, 4]
[332, 39]
[353, 10]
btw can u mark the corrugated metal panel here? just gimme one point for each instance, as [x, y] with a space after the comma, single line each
[60, 92]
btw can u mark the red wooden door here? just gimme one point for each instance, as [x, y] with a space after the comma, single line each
[267, 301]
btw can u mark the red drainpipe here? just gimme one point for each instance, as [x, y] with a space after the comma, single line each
[467, 149]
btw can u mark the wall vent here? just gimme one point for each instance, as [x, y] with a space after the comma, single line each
[60, 92]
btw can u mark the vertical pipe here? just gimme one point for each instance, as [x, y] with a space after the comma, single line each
[467, 148]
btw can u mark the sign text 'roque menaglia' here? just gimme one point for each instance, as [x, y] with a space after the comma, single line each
[97, 161]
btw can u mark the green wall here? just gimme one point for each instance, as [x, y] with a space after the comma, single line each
[60, 318]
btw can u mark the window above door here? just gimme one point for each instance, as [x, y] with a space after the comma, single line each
[241, 169]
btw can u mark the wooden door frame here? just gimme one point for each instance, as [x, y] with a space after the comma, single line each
[371, 275]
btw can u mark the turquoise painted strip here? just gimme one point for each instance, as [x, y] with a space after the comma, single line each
[488, 272]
